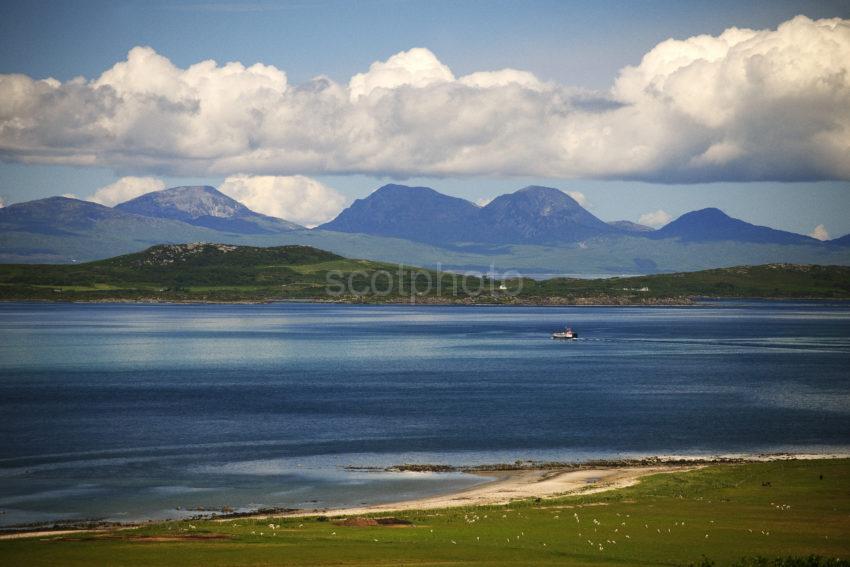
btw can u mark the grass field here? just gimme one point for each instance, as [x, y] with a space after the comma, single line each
[749, 514]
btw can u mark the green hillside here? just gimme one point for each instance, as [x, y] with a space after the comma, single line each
[780, 281]
[222, 272]
[219, 272]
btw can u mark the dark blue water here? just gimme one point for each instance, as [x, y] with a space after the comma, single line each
[129, 411]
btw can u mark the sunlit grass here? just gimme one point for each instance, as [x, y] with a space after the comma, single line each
[724, 513]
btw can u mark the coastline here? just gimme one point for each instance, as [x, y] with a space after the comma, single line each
[684, 301]
[422, 301]
[504, 484]
[525, 480]
[504, 487]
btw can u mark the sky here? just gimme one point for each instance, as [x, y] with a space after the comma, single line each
[103, 100]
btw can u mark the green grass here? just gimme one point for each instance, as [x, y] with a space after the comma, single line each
[724, 513]
[344, 265]
[785, 281]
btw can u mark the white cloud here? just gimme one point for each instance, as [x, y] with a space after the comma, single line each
[295, 198]
[2, 203]
[70, 195]
[483, 201]
[743, 105]
[505, 77]
[125, 189]
[579, 197]
[655, 218]
[819, 232]
[417, 67]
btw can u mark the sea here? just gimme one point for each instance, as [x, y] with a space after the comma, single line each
[130, 412]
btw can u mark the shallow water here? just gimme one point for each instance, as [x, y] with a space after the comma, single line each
[128, 412]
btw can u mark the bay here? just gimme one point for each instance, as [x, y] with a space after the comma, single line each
[127, 412]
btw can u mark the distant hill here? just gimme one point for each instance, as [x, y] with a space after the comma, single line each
[190, 257]
[533, 215]
[777, 281]
[841, 241]
[56, 215]
[173, 265]
[59, 229]
[714, 225]
[223, 272]
[213, 272]
[413, 213]
[630, 226]
[206, 207]
[539, 215]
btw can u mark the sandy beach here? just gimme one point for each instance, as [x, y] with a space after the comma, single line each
[502, 487]
[505, 486]
[508, 486]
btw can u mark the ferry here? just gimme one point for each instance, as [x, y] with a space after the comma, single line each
[567, 334]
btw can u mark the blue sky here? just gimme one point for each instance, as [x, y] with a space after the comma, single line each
[576, 44]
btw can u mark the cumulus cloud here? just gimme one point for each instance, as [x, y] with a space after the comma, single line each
[125, 189]
[579, 197]
[483, 201]
[655, 218]
[505, 77]
[2, 202]
[417, 67]
[294, 198]
[743, 105]
[819, 233]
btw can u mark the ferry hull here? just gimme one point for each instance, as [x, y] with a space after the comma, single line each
[564, 336]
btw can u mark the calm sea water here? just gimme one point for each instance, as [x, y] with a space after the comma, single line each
[125, 412]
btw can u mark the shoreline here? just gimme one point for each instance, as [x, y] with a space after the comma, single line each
[505, 483]
[543, 480]
[694, 301]
[501, 488]
[421, 301]
[505, 486]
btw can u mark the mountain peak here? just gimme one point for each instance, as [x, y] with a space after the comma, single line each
[712, 224]
[539, 189]
[202, 205]
[708, 213]
[52, 209]
[415, 213]
[531, 215]
[541, 192]
[56, 201]
[540, 215]
[390, 187]
[395, 191]
[547, 199]
[186, 203]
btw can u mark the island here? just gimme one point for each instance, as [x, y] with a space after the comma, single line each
[224, 273]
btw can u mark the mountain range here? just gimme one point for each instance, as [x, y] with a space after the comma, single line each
[538, 230]
[533, 215]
